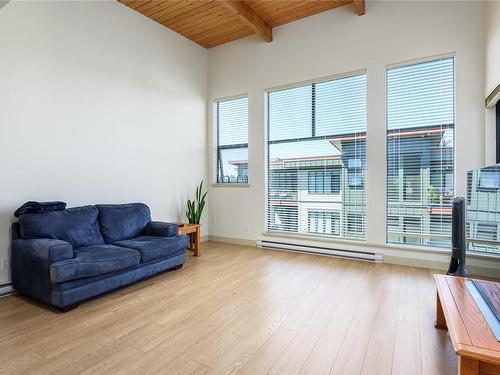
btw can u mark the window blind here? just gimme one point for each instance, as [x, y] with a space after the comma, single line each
[316, 158]
[420, 153]
[231, 156]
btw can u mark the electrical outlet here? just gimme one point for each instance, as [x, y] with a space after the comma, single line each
[247, 228]
[5, 264]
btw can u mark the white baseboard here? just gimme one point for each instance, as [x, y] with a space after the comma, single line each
[476, 265]
[236, 241]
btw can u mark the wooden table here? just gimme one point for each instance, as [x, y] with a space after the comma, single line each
[193, 231]
[477, 349]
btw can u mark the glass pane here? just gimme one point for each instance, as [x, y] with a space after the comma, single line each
[421, 95]
[233, 121]
[231, 156]
[341, 106]
[283, 218]
[483, 209]
[316, 183]
[420, 153]
[290, 113]
[233, 166]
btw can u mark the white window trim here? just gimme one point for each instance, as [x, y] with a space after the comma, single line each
[268, 90]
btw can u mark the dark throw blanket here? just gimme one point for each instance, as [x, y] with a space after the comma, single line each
[39, 207]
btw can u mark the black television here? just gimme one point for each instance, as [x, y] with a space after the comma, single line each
[478, 230]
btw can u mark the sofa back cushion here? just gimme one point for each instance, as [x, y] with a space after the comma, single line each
[77, 225]
[120, 222]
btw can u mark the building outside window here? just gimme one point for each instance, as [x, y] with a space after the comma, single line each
[324, 181]
[231, 140]
[487, 231]
[355, 177]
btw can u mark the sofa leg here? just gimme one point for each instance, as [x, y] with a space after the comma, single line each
[65, 309]
[178, 267]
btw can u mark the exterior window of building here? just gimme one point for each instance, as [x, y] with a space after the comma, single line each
[355, 178]
[335, 181]
[316, 158]
[324, 222]
[323, 181]
[316, 182]
[283, 186]
[420, 152]
[231, 149]
[487, 231]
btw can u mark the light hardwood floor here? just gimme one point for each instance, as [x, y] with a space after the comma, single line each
[239, 310]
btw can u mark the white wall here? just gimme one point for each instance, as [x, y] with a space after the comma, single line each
[336, 42]
[492, 42]
[492, 72]
[98, 104]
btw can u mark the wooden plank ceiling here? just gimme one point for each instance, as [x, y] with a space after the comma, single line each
[213, 22]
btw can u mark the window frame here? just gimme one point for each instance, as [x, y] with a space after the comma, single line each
[266, 101]
[216, 157]
[329, 176]
[444, 56]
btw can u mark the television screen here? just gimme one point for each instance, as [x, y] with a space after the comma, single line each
[489, 180]
[483, 209]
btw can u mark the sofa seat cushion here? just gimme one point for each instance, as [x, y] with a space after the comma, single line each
[152, 247]
[77, 225]
[123, 221]
[92, 261]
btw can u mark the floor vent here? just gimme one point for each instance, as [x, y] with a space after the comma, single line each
[321, 250]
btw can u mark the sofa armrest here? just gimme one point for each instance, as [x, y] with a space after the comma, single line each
[43, 250]
[161, 229]
[31, 260]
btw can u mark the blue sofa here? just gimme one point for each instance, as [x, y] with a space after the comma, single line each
[67, 256]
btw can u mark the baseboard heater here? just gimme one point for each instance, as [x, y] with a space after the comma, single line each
[6, 290]
[320, 250]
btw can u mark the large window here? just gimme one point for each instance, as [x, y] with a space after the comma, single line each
[317, 158]
[231, 156]
[420, 152]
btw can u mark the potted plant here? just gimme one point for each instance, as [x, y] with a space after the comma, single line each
[195, 208]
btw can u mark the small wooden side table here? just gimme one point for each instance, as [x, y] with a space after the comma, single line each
[193, 231]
